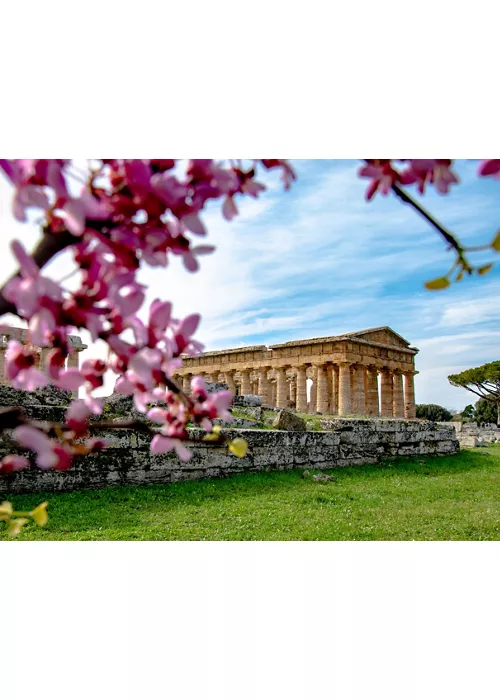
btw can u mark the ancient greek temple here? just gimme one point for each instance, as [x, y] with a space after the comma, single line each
[22, 335]
[366, 373]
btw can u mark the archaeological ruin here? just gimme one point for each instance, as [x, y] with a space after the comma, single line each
[366, 373]
[22, 335]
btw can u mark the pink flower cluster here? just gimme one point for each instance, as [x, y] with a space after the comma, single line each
[129, 213]
[383, 174]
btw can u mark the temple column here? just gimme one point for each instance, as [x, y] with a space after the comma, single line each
[314, 393]
[334, 405]
[264, 385]
[329, 385]
[273, 393]
[281, 397]
[344, 389]
[387, 393]
[73, 359]
[186, 383]
[358, 394]
[409, 395]
[372, 407]
[322, 393]
[229, 380]
[245, 382]
[398, 404]
[293, 390]
[301, 389]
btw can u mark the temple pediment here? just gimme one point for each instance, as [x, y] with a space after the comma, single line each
[383, 335]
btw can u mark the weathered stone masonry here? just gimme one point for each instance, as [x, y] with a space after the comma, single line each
[344, 370]
[128, 461]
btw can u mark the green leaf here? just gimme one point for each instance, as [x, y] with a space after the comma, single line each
[239, 447]
[460, 276]
[485, 269]
[6, 510]
[438, 283]
[496, 242]
[15, 526]
[39, 514]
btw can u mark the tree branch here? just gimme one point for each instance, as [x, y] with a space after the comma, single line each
[47, 248]
[448, 237]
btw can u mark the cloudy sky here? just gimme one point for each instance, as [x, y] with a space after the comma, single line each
[319, 260]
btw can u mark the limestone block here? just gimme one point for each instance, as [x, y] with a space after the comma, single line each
[286, 420]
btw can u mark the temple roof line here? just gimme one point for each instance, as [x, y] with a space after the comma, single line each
[355, 335]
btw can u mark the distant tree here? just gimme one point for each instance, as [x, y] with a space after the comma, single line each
[468, 412]
[431, 411]
[484, 381]
[485, 412]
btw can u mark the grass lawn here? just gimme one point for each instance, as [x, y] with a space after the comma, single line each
[447, 498]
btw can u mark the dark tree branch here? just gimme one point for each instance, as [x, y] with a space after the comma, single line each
[47, 248]
[448, 237]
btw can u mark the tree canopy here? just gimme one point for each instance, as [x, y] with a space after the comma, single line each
[468, 411]
[485, 412]
[431, 411]
[484, 381]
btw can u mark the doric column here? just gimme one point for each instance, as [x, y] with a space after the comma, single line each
[186, 383]
[358, 386]
[344, 389]
[245, 382]
[322, 393]
[329, 385]
[314, 392]
[229, 380]
[281, 397]
[334, 389]
[264, 385]
[301, 402]
[372, 408]
[387, 393]
[273, 386]
[73, 359]
[398, 405]
[293, 390]
[409, 395]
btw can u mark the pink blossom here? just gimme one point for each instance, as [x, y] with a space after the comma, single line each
[436, 172]
[32, 294]
[93, 403]
[161, 444]
[490, 168]
[133, 212]
[49, 454]
[20, 367]
[70, 379]
[229, 210]
[77, 417]
[160, 313]
[382, 176]
[13, 463]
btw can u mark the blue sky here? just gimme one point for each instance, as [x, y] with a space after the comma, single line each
[319, 260]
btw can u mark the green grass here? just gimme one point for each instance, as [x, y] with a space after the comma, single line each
[447, 498]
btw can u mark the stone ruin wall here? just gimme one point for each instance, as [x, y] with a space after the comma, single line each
[344, 371]
[474, 435]
[128, 460]
[365, 373]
